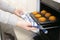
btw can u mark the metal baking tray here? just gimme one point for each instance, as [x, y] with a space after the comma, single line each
[44, 24]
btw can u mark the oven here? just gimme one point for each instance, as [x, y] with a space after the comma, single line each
[53, 33]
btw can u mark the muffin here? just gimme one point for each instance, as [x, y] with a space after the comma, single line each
[37, 15]
[42, 19]
[47, 15]
[43, 12]
[35, 12]
[52, 18]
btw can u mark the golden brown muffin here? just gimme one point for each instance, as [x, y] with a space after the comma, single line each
[38, 15]
[43, 12]
[35, 12]
[47, 15]
[42, 19]
[52, 18]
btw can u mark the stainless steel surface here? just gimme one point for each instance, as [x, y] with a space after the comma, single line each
[52, 4]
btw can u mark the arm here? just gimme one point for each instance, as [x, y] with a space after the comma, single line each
[11, 19]
[6, 7]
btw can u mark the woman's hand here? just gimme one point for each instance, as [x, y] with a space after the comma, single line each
[22, 23]
[25, 25]
[18, 12]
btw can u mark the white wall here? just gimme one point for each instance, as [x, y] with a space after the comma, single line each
[26, 5]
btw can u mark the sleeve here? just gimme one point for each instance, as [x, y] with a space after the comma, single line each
[13, 19]
[6, 7]
[8, 18]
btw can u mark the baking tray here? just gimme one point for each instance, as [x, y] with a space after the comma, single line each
[44, 24]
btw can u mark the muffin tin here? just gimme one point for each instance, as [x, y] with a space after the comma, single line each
[47, 23]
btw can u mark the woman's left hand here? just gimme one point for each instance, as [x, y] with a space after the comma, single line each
[18, 12]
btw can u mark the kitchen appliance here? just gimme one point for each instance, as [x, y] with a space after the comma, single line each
[54, 9]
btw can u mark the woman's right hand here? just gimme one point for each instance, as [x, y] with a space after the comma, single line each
[25, 25]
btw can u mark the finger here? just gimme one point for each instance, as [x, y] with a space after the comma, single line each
[28, 24]
[27, 28]
[33, 28]
[17, 14]
[30, 28]
[20, 12]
